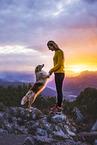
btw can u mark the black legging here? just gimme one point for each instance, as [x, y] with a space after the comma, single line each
[59, 77]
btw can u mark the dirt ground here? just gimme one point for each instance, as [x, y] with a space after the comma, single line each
[11, 139]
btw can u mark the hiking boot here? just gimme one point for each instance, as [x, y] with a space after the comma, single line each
[59, 109]
[53, 109]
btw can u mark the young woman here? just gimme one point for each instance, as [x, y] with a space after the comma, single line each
[59, 73]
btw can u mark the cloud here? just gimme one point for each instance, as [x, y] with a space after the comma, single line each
[31, 23]
[28, 21]
[21, 58]
[90, 1]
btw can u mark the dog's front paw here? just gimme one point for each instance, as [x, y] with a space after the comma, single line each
[48, 76]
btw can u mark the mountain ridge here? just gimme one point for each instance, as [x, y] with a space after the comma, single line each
[78, 83]
[47, 92]
[73, 85]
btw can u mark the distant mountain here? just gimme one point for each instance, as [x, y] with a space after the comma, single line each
[47, 92]
[18, 78]
[15, 84]
[80, 82]
[74, 85]
[11, 76]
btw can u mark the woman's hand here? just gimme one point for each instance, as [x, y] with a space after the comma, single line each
[50, 73]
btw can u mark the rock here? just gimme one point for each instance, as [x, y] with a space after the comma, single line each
[58, 118]
[22, 112]
[14, 119]
[71, 142]
[36, 114]
[8, 127]
[42, 140]
[15, 126]
[1, 115]
[48, 126]
[2, 131]
[36, 124]
[2, 107]
[41, 132]
[79, 116]
[29, 141]
[68, 131]
[59, 134]
[14, 111]
[94, 128]
[95, 142]
[45, 124]
[53, 129]
[22, 129]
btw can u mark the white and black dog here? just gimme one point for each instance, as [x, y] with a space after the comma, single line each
[41, 80]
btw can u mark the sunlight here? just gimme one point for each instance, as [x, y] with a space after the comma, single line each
[77, 69]
[80, 68]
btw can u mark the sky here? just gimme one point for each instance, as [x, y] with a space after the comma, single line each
[27, 25]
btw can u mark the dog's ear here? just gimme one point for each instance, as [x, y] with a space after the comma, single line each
[37, 69]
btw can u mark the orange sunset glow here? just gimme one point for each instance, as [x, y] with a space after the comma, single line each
[76, 69]
[81, 52]
[72, 24]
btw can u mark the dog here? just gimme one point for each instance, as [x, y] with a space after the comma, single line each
[41, 80]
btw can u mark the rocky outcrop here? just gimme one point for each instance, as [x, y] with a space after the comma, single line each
[94, 128]
[79, 116]
[40, 129]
